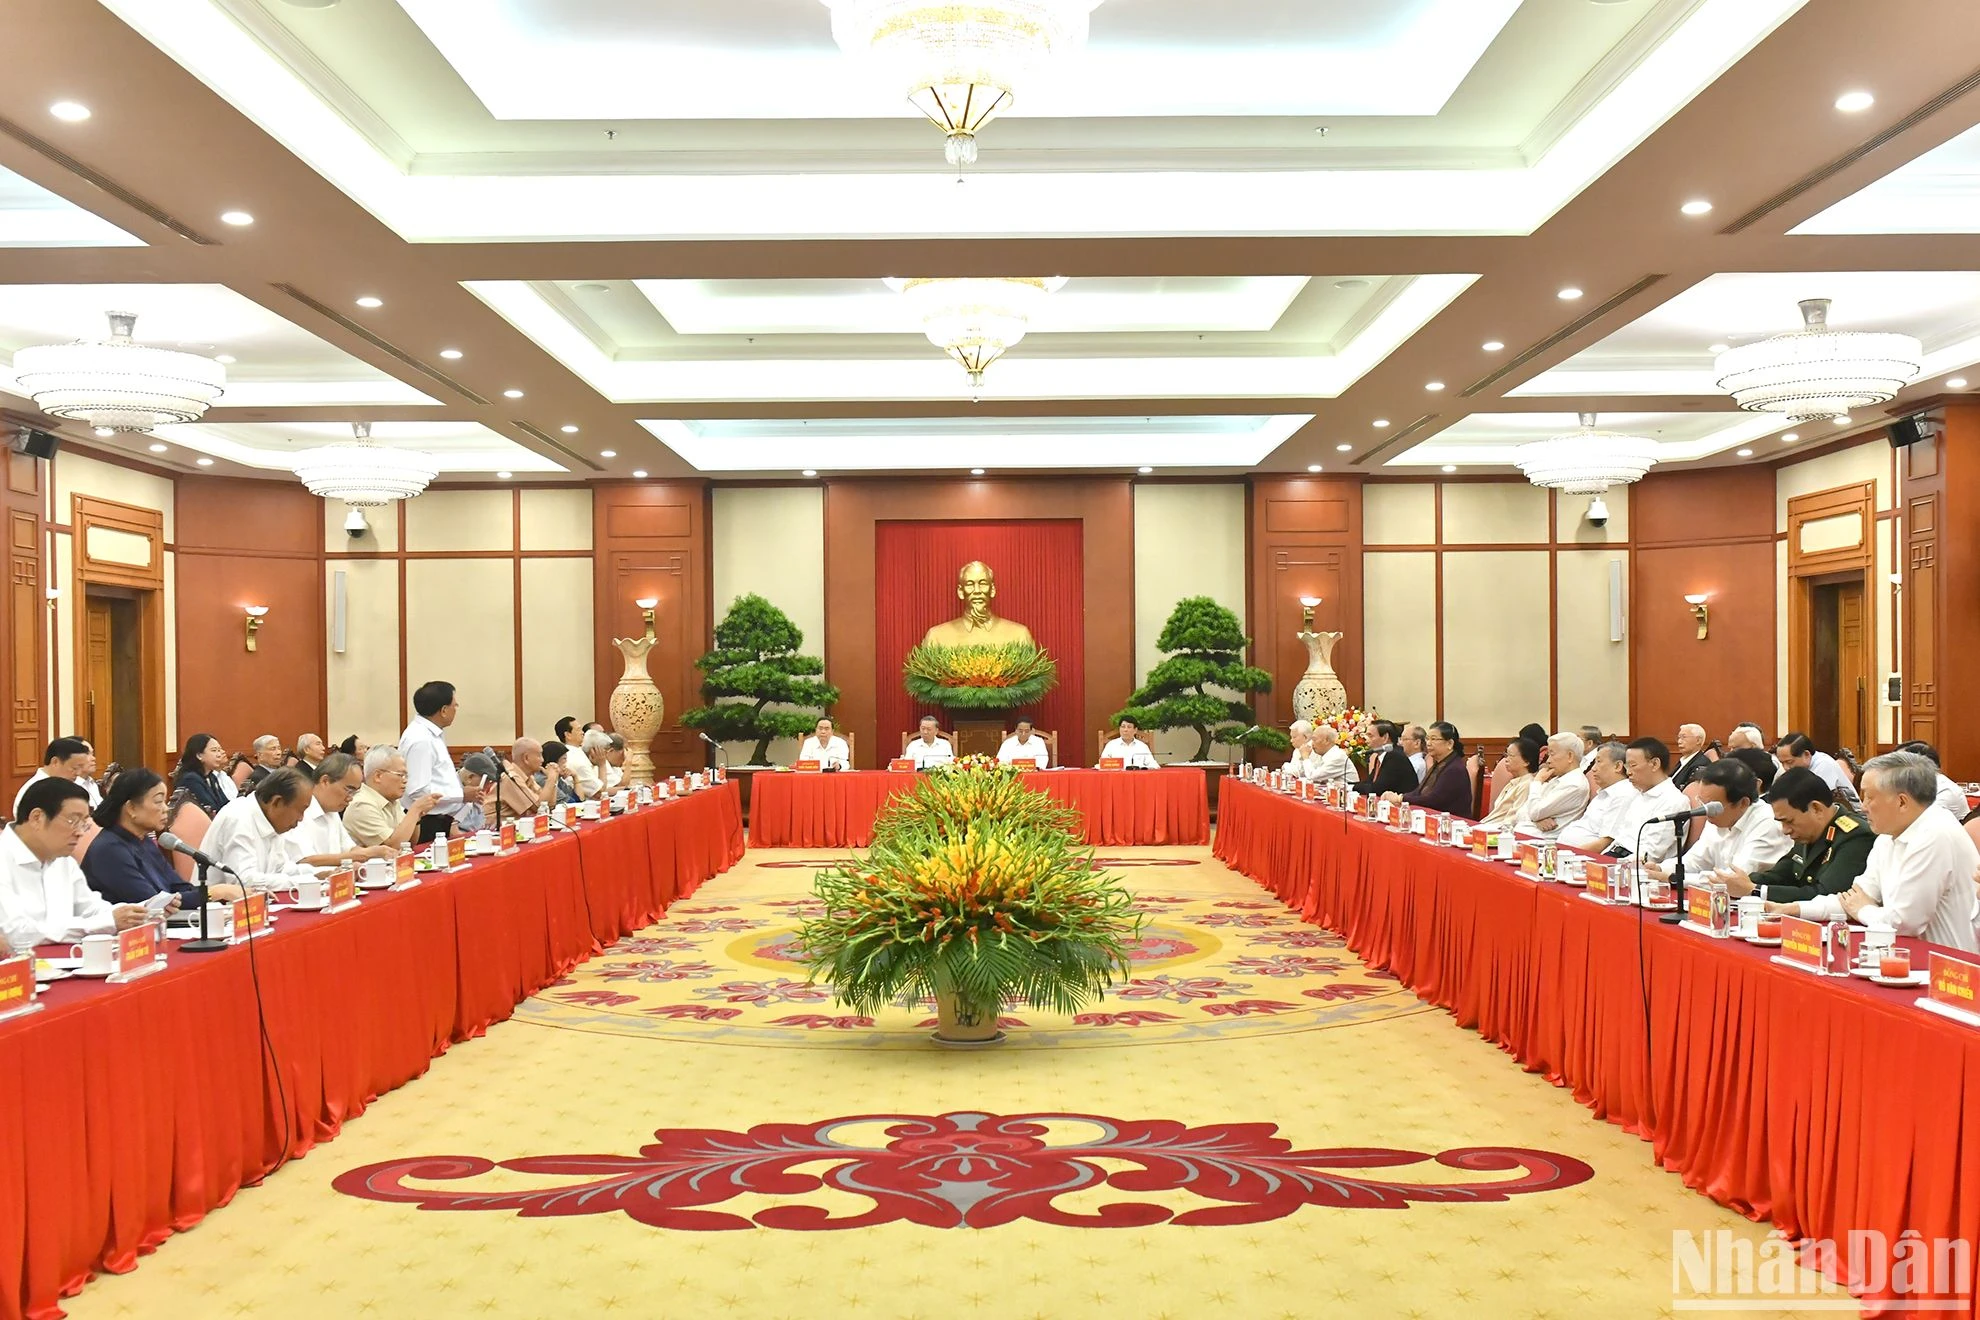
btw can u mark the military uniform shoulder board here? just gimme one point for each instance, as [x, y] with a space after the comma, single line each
[1846, 823]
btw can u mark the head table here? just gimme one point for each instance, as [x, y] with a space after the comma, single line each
[1823, 1104]
[1120, 808]
[130, 1111]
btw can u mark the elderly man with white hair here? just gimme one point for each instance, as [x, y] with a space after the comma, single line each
[1330, 761]
[521, 794]
[375, 815]
[1920, 875]
[1691, 753]
[1560, 789]
[267, 753]
[1304, 761]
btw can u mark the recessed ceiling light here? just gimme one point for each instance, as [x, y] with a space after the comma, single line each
[505, 475]
[157, 449]
[568, 429]
[1379, 423]
[639, 472]
[976, 472]
[1746, 453]
[811, 472]
[1433, 385]
[369, 301]
[590, 287]
[1840, 419]
[73, 112]
[1144, 471]
[1351, 284]
[1343, 449]
[1956, 383]
[1491, 346]
[1696, 206]
[224, 359]
[1312, 467]
[1569, 294]
[608, 453]
[1850, 102]
[1717, 348]
[512, 394]
[236, 218]
[103, 432]
[1789, 437]
[451, 354]
[1450, 467]
[204, 462]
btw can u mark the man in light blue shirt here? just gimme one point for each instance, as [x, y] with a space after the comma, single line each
[429, 766]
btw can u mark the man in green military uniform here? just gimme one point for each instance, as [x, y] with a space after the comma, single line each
[1832, 843]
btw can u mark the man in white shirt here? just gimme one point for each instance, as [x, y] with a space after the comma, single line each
[1591, 738]
[1024, 745]
[1648, 761]
[1951, 797]
[615, 762]
[1413, 742]
[1560, 790]
[44, 898]
[1127, 746]
[321, 840]
[429, 765]
[1920, 876]
[1796, 749]
[930, 747]
[1608, 779]
[1744, 837]
[1328, 763]
[66, 758]
[586, 761]
[826, 747]
[246, 836]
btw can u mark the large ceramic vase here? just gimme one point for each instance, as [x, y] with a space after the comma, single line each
[960, 1026]
[636, 708]
[1319, 692]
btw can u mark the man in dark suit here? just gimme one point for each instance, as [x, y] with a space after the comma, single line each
[1389, 767]
[1692, 759]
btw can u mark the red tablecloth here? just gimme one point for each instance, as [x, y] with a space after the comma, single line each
[129, 1112]
[1121, 808]
[1820, 1104]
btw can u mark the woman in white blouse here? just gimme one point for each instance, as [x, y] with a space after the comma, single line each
[1522, 759]
[1560, 790]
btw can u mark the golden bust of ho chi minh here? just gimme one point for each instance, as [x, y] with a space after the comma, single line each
[976, 587]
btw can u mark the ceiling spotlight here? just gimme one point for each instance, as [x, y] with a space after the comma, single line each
[369, 301]
[224, 359]
[236, 218]
[157, 449]
[1840, 419]
[1491, 346]
[639, 472]
[1789, 437]
[1697, 206]
[608, 453]
[505, 475]
[1343, 449]
[1379, 423]
[1312, 467]
[1144, 470]
[73, 112]
[512, 394]
[1351, 284]
[451, 354]
[103, 432]
[1450, 467]
[976, 472]
[1433, 386]
[1851, 102]
[1569, 294]
[1746, 453]
[568, 429]
[1718, 348]
[204, 462]
[812, 472]
[1956, 383]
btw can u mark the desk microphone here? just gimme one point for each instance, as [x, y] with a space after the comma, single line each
[1708, 809]
[173, 843]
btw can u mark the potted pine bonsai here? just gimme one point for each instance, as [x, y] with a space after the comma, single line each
[1205, 645]
[755, 666]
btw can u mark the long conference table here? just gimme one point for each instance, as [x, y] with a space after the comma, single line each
[1823, 1105]
[128, 1112]
[1121, 808]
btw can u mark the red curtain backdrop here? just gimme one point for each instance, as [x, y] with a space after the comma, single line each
[1040, 567]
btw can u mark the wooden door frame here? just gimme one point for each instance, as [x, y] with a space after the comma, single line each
[1808, 569]
[146, 582]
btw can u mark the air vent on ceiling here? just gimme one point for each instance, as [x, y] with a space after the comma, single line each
[1572, 328]
[56, 156]
[385, 346]
[1844, 161]
[1371, 456]
[562, 448]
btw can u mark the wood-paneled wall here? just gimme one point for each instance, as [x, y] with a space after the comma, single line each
[1305, 541]
[24, 621]
[1941, 592]
[652, 540]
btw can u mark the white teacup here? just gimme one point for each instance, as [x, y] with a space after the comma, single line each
[483, 841]
[313, 893]
[620, 800]
[219, 918]
[1750, 910]
[376, 870]
[588, 810]
[525, 828]
[98, 953]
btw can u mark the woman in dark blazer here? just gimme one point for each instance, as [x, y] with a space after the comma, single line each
[1446, 783]
[124, 863]
[198, 772]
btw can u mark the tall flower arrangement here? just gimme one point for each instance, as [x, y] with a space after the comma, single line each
[976, 892]
[1355, 728]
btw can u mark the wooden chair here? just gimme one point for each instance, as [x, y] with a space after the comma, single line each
[1049, 736]
[1474, 766]
[190, 825]
[852, 749]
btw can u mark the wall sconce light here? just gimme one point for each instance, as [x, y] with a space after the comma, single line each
[54, 594]
[254, 617]
[1306, 604]
[1897, 581]
[1700, 612]
[646, 604]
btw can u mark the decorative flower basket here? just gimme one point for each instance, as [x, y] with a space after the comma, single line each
[1355, 728]
[975, 893]
[979, 677]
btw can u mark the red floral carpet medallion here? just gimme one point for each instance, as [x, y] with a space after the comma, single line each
[969, 1170]
[1208, 965]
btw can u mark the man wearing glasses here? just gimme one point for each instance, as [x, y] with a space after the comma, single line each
[374, 816]
[44, 898]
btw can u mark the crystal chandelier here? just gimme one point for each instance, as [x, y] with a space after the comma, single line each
[117, 383]
[362, 473]
[1588, 461]
[975, 320]
[959, 62]
[1817, 372]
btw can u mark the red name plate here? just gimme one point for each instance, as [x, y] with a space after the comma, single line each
[809, 766]
[16, 985]
[404, 874]
[1112, 763]
[250, 915]
[1698, 906]
[1481, 842]
[456, 852]
[1801, 940]
[542, 825]
[1529, 859]
[901, 763]
[137, 948]
[508, 836]
[1954, 982]
[568, 815]
[343, 887]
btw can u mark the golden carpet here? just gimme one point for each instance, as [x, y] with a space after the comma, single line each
[1259, 1113]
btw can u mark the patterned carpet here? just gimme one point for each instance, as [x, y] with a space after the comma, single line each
[1257, 1125]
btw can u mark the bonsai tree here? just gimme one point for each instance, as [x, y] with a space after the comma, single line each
[1205, 645]
[756, 659]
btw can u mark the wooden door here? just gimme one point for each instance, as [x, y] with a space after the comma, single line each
[1853, 650]
[99, 685]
